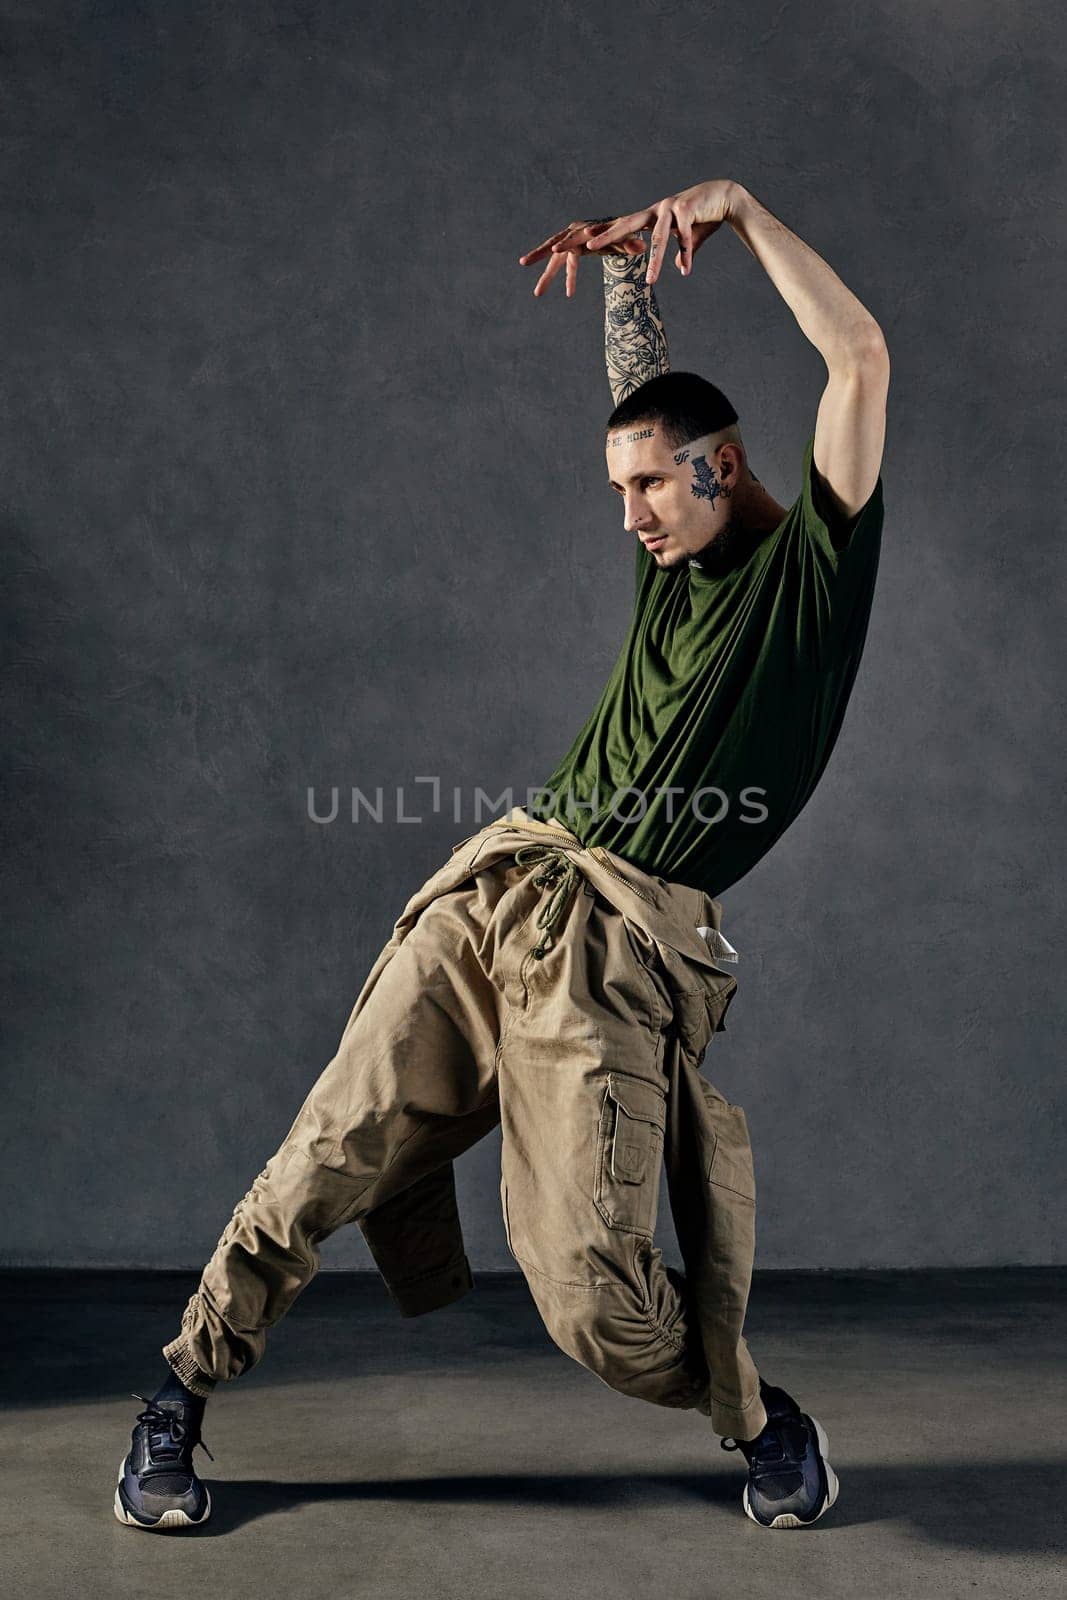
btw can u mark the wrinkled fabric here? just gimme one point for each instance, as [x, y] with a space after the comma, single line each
[727, 696]
[587, 1055]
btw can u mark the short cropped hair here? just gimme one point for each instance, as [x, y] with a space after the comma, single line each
[684, 404]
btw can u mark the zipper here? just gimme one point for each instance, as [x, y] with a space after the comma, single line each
[610, 870]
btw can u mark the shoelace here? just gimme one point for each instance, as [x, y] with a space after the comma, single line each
[781, 1445]
[164, 1428]
[559, 873]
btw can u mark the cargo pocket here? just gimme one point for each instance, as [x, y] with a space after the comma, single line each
[650, 998]
[633, 1114]
[731, 1160]
[700, 995]
[719, 990]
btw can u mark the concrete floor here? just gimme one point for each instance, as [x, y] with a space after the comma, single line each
[462, 1455]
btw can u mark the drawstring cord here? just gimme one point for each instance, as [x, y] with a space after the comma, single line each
[561, 875]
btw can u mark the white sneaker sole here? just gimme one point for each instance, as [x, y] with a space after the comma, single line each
[169, 1519]
[787, 1519]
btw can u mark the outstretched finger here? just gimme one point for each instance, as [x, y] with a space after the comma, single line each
[572, 272]
[552, 270]
[699, 233]
[684, 260]
[542, 249]
[621, 228]
[658, 244]
[632, 245]
[577, 234]
[573, 239]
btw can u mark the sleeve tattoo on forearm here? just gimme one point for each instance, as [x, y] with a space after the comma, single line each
[635, 344]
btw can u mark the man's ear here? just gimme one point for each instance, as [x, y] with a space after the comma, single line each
[731, 463]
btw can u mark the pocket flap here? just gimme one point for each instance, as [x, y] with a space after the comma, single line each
[639, 1099]
[731, 1165]
[719, 990]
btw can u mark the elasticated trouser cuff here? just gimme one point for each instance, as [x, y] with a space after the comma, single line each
[412, 1298]
[180, 1361]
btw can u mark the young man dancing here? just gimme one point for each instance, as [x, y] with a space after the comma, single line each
[558, 974]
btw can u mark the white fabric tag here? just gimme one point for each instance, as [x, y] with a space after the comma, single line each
[718, 944]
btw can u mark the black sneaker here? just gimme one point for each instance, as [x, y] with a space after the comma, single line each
[158, 1487]
[790, 1481]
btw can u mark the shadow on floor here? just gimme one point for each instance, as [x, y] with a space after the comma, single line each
[959, 1505]
[938, 1391]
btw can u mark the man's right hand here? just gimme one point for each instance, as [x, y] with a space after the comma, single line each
[566, 246]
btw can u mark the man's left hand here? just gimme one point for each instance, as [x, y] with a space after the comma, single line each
[567, 245]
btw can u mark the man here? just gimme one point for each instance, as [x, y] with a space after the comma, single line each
[558, 975]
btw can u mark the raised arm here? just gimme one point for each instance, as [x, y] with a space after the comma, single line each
[635, 344]
[850, 426]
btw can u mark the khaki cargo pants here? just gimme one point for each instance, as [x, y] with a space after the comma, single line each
[566, 995]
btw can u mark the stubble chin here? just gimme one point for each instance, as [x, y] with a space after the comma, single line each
[672, 558]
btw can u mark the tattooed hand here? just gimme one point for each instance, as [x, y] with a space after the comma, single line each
[693, 214]
[567, 245]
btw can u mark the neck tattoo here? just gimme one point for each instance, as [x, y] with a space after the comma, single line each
[720, 553]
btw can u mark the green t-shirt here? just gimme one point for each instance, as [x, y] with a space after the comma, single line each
[734, 677]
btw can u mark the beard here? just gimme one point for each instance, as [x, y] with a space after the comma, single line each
[731, 545]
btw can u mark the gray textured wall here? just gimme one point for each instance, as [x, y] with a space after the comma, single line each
[301, 486]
